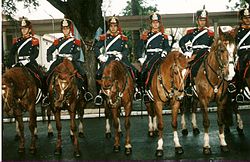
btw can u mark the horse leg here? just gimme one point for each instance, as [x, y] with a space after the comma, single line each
[73, 129]
[151, 115]
[19, 119]
[158, 106]
[223, 144]
[128, 146]
[196, 130]
[107, 125]
[206, 124]
[32, 127]
[238, 119]
[17, 136]
[50, 128]
[58, 149]
[116, 147]
[183, 108]
[80, 126]
[175, 108]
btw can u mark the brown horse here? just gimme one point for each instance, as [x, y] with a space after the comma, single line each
[167, 86]
[117, 85]
[19, 91]
[211, 84]
[63, 95]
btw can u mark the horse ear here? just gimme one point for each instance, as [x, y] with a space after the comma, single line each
[99, 82]
[220, 31]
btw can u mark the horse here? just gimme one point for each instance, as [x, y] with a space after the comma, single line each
[118, 87]
[167, 86]
[211, 84]
[63, 95]
[19, 91]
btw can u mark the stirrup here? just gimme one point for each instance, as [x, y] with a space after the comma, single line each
[137, 94]
[231, 88]
[146, 98]
[240, 98]
[88, 96]
[98, 100]
[189, 91]
[45, 101]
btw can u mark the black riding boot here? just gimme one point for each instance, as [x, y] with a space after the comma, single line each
[45, 100]
[83, 84]
[98, 99]
[137, 88]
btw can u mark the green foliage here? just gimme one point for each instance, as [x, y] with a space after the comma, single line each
[236, 5]
[9, 6]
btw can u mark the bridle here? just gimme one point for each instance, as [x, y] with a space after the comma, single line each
[118, 93]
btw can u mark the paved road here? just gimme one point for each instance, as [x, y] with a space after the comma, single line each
[94, 146]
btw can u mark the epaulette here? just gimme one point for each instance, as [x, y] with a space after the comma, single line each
[190, 31]
[144, 35]
[14, 40]
[35, 41]
[102, 37]
[210, 33]
[125, 38]
[77, 42]
[56, 42]
[165, 36]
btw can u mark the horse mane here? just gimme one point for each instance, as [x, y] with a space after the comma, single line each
[65, 68]
[119, 70]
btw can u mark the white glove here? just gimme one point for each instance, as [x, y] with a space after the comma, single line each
[142, 60]
[164, 54]
[24, 62]
[118, 57]
[103, 58]
[188, 54]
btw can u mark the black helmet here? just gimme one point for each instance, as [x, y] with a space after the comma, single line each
[245, 12]
[25, 23]
[202, 14]
[113, 20]
[155, 16]
[66, 23]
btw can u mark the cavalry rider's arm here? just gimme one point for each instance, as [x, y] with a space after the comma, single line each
[165, 45]
[125, 50]
[76, 50]
[12, 54]
[188, 37]
[51, 49]
[210, 37]
[141, 44]
[99, 45]
[35, 49]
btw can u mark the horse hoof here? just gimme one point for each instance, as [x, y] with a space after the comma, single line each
[207, 151]
[151, 134]
[108, 135]
[128, 151]
[224, 148]
[50, 134]
[81, 135]
[184, 132]
[21, 150]
[226, 130]
[240, 131]
[58, 151]
[77, 154]
[159, 153]
[179, 150]
[116, 148]
[196, 131]
[32, 150]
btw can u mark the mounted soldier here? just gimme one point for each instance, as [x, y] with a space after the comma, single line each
[113, 45]
[68, 47]
[196, 45]
[243, 52]
[152, 46]
[24, 52]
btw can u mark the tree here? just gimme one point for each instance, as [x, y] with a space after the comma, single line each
[238, 5]
[87, 17]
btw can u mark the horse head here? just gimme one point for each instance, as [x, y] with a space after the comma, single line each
[64, 81]
[226, 53]
[114, 81]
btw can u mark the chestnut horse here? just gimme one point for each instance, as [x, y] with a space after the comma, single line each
[117, 85]
[63, 95]
[211, 84]
[167, 86]
[19, 91]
